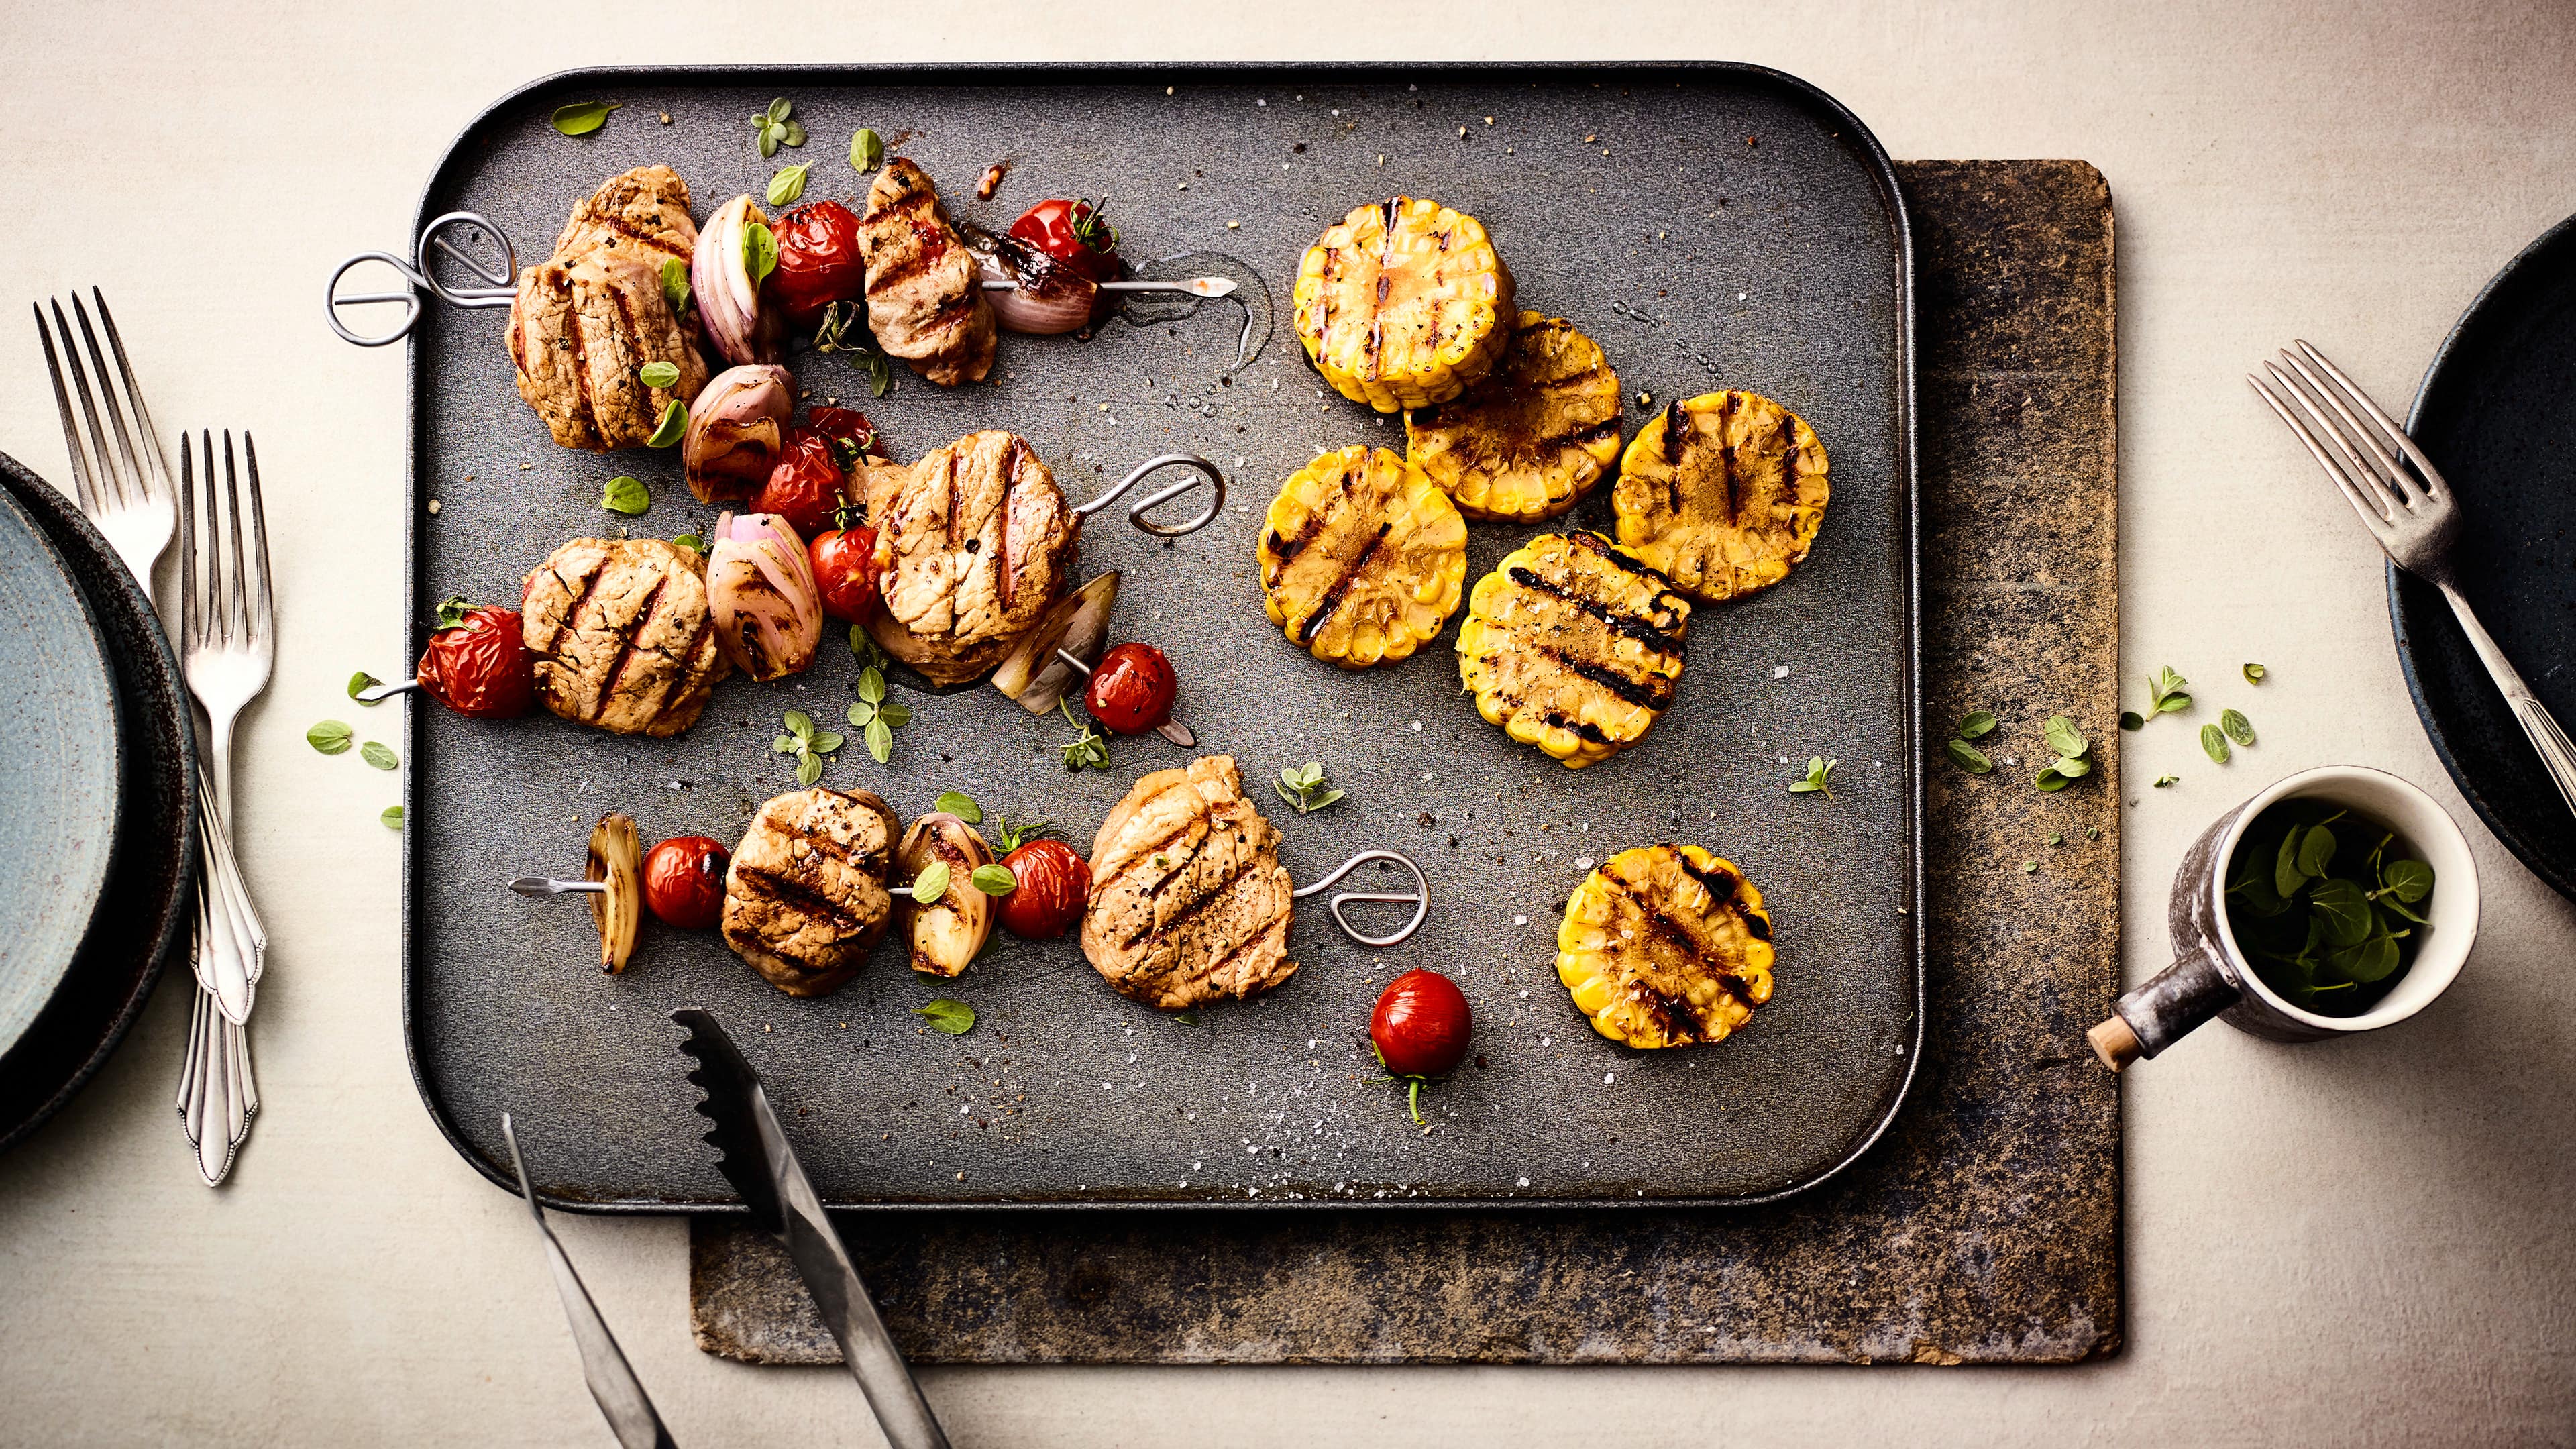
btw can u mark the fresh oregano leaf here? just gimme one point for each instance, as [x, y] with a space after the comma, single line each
[675, 284]
[2238, 727]
[1977, 725]
[2051, 778]
[2213, 743]
[961, 805]
[2256, 673]
[872, 684]
[787, 185]
[1819, 780]
[2342, 908]
[392, 818]
[867, 151]
[824, 742]
[2287, 874]
[658, 374]
[691, 542]
[799, 723]
[2062, 736]
[625, 495]
[880, 739]
[363, 680]
[673, 427]
[331, 737]
[2130, 719]
[994, 880]
[583, 117]
[931, 884]
[2072, 766]
[380, 756]
[2163, 780]
[1969, 758]
[947, 1017]
[809, 768]
[895, 715]
[779, 110]
[759, 253]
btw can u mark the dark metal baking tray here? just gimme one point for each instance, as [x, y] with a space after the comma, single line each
[2496, 416]
[1710, 225]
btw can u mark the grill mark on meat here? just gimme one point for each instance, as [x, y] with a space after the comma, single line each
[1149, 852]
[1198, 903]
[648, 240]
[687, 673]
[588, 413]
[626, 639]
[788, 890]
[952, 314]
[563, 625]
[948, 480]
[1331, 599]
[1642, 629]
[1637, 692]
[1014, 549]
[1217, 966]
[895, 274]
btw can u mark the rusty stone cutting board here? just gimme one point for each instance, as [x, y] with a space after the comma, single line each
[1985, 1226]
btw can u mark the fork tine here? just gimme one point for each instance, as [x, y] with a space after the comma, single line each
[82, 484]
[2371, 516]
[2387, 500]
[237, 601]
[130, 462]
[263, 608]
[111, 489]
[192, 619]
[2383, 463]
[151, 446]
[2427, 475]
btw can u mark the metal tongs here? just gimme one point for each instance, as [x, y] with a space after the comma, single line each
[620, 1395]
[418, 277]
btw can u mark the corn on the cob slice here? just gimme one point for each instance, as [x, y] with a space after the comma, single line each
[1363, 558]
[1403, 302]
[1724, 492]
[1664, 946]
[1536, 435]
[1573, 646]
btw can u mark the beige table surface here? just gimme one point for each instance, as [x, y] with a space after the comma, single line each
[2365, 1243]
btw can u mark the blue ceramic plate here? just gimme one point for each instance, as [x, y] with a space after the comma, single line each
[2497, 415]
[59, 798]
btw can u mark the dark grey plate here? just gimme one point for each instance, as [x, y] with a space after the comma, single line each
[1712, 226]
[2497, 415]
[57, 821]
[148, 890]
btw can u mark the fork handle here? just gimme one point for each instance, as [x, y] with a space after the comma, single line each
[2556, 754]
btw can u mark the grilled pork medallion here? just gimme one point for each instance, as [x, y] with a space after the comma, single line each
[925, 302]
[589, 318]
[805, 897]
[1189, 902]
[974, 543]
[621, 635]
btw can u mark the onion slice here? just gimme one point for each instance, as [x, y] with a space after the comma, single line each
[761, 595]
[617, 857]
[728, 295]
[1044, 296]
[737, 427]
[1078, 625]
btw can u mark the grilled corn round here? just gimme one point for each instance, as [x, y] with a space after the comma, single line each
[1363, 559]
[1573, 646]
[1724, 492]
[1403, 302]
[1536, 435]
[1665, 945]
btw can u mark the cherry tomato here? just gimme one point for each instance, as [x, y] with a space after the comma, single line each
[1131, 689]
[852, 437]
[818, 261]
[1421, 1025]
[480, 666]
[684, 882]
[845, 569]
[1055, 885]
[1074, 233]
[806, 486]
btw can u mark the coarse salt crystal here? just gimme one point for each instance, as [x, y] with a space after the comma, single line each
[1520, 920]
[1780, 672]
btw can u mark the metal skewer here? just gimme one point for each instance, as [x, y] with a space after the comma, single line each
[419, 277]
[1421, 897]
[375, 693]
[1193, 286]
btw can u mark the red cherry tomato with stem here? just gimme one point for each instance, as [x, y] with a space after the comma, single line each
[806, 486]
[851, 435]
[684, 882]
[1054, 886]
[478, 664]
[845, 570]
[1420, 1028]
[1131, 689]
[1074, 233]
[818, 261]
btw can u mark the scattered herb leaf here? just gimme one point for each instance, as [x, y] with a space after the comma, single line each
[994, 880]
[2164, 780]
[2052, 779]
[673, 427]
[777, 126]
[2030, 867]
[1977, 725]
[392, 818]
[363, 680]
[2130, 719]
[931, 884]
[759, 253]
[2238, 727]
[675, 284]
[583, 117]
[1305, 788]
[865, 647]
[1186, 1018]
[2055, 838]
[1820, 778]
[2213, 743]
[380, 756]
[947, 1017]
[873, 716]
[658, 373]
[1969, 758]
[331, 737]
[1091, 747]
[867, 150]
[2063, 737]
[691, 542]
[787, 185]
[961, 805]
[2256, 673]
[625, 495]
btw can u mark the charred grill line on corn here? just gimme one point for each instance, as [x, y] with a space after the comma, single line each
[1363, 559]
[1666, 945]
[1403, 302]
[1532, 439]
[1724, 492]
[1574, 646]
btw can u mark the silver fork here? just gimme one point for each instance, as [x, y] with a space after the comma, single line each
[129, 494]
[2407, 506]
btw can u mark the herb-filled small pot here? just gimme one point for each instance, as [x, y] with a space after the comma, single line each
[2338, 900]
